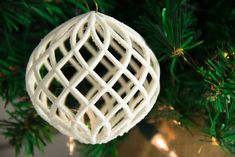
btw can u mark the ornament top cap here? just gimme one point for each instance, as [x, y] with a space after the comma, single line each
[93, 78]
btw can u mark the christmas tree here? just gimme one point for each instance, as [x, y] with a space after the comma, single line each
[193, 41]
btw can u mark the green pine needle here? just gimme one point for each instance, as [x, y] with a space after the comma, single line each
[174, 30]
[219, 79]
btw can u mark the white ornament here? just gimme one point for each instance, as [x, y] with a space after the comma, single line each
[93, 78]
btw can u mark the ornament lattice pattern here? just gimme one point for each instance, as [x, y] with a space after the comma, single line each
[93, 78]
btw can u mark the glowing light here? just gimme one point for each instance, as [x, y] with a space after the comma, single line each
[171, 108]
[166, 107]
[226, 55]
[159, 142]
[199, 150]
[214, 141]
[71, 145]
[172, 154]
[176, 122]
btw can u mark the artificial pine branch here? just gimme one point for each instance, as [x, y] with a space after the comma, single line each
[171, 34]
[25, 129]
[170, 30]
[103, 150]
[219, 97]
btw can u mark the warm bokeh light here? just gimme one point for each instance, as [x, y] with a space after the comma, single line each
[71, 145]
[159, 142]
[172, 154]
[176, 122]
[214, 141]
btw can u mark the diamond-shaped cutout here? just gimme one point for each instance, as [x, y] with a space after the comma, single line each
[43, 99]
[134, 66]
[43, 71]
[49, 61]
[124, 78]
[55, 87]
[49, 103]
[85, 26]
[117, 86]
[101, 69]
[58, 54]
[135, 63]
[86, 53]
[149, 78]
[137, 94]
[123, 86]
[35, 86]
[91, 119]
[40, 96]
[57, 112]
[131, 69]
[67, 45]
[69, 70]
[87, 121]
[72, 103]
[116, 49]
[88, 87]
[105, 69]
[148, 82]
[100, 103]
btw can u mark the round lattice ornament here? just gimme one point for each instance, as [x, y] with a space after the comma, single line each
[93, 78]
